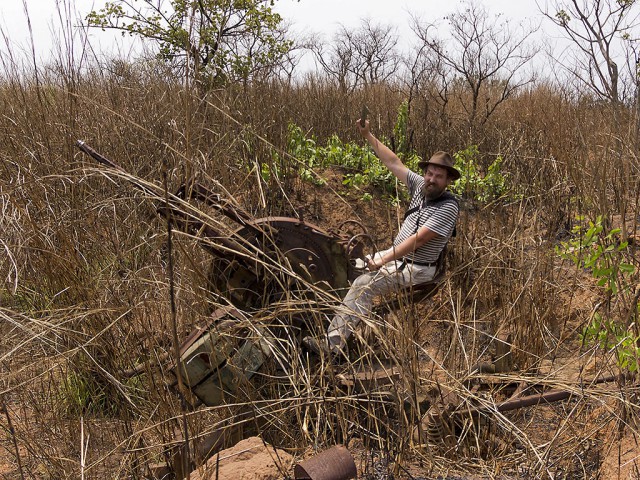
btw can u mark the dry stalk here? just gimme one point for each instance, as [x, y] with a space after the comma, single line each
[12, 432]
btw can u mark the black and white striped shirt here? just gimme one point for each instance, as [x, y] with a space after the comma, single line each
[437, 215]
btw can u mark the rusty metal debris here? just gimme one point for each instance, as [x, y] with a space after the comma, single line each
[248, 260]
[258, 265]
[335, 463]
[254, 267]
[445, 418]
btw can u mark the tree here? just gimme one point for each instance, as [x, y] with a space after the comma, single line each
[219, 40]
[365, 56]
[599, 29]
[481, 52]
[425, 75]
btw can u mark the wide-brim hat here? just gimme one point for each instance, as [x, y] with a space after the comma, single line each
[444, 160]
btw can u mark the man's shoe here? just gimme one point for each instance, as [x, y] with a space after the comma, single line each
[320, 346]
[317, 346]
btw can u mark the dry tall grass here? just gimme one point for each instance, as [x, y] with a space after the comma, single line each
[86, 295]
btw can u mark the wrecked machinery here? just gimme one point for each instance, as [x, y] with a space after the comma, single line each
[265, 261]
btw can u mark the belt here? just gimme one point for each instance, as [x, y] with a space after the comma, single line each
[422, 264]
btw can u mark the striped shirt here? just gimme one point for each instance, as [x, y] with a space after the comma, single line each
[437, 215]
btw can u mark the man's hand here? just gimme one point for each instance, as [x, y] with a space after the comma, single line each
[364, 131]
[386, 156]
[363, 115]
[373, 264]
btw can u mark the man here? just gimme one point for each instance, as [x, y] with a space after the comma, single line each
[427, 226]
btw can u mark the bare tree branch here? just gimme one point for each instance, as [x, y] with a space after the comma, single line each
[484, 52]
[365, 56]
[597, 29]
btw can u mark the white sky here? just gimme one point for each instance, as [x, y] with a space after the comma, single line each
[321, 16]
[325, 15]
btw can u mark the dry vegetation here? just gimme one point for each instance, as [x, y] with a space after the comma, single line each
[85, 292]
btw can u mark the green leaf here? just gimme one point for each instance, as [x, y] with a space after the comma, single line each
[627, 268]
[232, 39]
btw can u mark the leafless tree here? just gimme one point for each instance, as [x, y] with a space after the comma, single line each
[600, 31]
[481, 51]
[365, 56]
[335, 60]
[425, 74]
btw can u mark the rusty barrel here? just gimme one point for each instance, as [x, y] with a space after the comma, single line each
[335, 463]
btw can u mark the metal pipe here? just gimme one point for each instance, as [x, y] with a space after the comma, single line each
[550, 396]
[536, 399]
[522, 402]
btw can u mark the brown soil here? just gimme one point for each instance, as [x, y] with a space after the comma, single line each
[621, 455]
[250, 459]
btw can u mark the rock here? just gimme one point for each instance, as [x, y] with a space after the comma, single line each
[250, 459]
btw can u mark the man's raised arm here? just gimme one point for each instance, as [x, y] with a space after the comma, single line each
[384, 153]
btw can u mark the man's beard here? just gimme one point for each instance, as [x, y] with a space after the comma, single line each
[433, 193]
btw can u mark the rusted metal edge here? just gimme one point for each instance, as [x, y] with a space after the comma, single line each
[335, 463]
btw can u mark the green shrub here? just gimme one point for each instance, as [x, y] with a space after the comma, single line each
[473, 185]
[365, 169]
[594, 249]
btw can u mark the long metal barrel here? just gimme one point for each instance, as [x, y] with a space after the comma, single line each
[96, 156]
[157, 191]
[203, 193]
[189, 190]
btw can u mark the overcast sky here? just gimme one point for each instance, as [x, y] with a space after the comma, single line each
[320, 16]
[324, 15]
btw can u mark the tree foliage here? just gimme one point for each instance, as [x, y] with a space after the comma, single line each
[219, 40]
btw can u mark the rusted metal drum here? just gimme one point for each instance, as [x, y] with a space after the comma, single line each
[333, 464]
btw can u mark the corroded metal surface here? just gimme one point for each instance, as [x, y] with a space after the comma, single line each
[335, 463]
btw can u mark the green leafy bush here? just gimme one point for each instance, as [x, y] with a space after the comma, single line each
[362, 166]
[350, 156]
[365, 169]
[612, 336]
[594, 249]
[471, 184]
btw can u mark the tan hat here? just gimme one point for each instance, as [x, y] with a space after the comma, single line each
[441, 159]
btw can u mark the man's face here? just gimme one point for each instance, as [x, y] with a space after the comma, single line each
[436, 180]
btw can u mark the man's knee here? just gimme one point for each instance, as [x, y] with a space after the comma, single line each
[363, 280]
